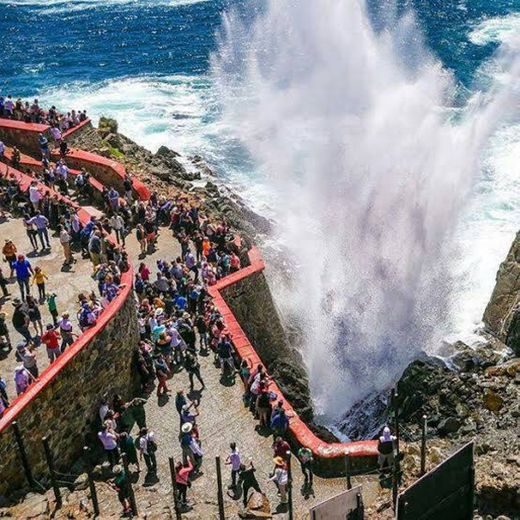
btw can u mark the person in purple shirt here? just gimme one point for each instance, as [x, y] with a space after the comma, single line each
[113, 197]
[41, 222]
[24, 271]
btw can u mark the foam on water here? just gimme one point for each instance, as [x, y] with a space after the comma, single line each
[373, 164]
[63, 6]
[498, 29]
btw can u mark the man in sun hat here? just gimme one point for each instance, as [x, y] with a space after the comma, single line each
[122, 486]
[185, 440]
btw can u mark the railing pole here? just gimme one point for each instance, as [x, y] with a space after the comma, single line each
[289, 484]
[133, 504]
[91, 483]
[423, 444]
[173, 474]
[396, 423]
[395, 484]
[23, 454]
[348, 471]
[50, 463]
[359, 506]
[220, 497]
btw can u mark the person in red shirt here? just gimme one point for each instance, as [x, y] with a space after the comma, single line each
[51, 339]
[182, 480]
[281, 448]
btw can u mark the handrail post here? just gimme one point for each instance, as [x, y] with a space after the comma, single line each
[289, 484]
[348, 471]
[23, 454]
[423, 444]
[221, 513]
[91, 483]
[50, 463]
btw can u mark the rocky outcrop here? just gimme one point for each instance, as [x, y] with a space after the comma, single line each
[502, 314]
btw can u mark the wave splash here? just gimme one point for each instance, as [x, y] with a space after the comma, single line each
[357, 131]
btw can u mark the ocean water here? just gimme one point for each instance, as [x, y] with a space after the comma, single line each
[166, 70]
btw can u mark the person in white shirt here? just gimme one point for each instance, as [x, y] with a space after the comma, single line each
[147, 448]
[109, 441]
[280, 477]
[35, 195]
[118, 225]
[2, 150]
[56, 134]
[234, 460]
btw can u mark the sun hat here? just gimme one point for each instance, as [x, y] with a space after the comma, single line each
[279, 461]
[117, 469]
[187, 427]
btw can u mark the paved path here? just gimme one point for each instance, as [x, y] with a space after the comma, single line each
[67, 284]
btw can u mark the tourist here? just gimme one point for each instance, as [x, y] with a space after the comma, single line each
[65, 327]
[122, 485]
[65, 240]
[4, 401]
[225, 354]
[35, 195]
[185, 441]
[26, 354]
[182, 480]
[281, 448]
[117, 223]
[147, 449]
[52, 307]
[305, 458]
[20, 319]
[141, 238]
[4, 330]
[263, 407]
[22, 379]
[42, 223]
[248, 479]
[51, 339]
[3, 285]
[109, 441]
[9, 251]
[279, 420]
[280, 477]
[192, 366]
[35, 316]
[23, 270]
[44, 146]
[39, 278]
[127, 446]
[137, 411]
[94, 248]
[113, 198]
[162, 372]
[233, 459]
[30, 229]
[385, 447]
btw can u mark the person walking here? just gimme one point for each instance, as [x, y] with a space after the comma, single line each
[20, 319]
[67, 336]
[9, 251]
[127, 446]
[280, 477]
[182, 480]
[23, 270]
[162, 371]
[233, 459]
[42, 228]
[65, 240]
[147, 449]
[248, 479]
[53, 308]
[122, 486]
[51, 340]
[305, 458]
[39, 278]
[192, 366]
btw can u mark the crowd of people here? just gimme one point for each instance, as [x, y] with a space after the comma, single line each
[28, 112]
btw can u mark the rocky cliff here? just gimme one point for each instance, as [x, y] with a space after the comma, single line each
[502, 314]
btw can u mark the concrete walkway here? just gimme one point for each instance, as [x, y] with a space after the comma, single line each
[67, 284]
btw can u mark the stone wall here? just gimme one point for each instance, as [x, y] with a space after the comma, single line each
[22, 135]
[63, 403]
[252, 304]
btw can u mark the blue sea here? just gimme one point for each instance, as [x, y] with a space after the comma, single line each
[157, 67]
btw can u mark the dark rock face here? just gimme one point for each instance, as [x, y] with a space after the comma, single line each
[502, 316]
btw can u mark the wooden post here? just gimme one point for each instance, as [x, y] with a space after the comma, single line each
[348, 471]
[359, 506]
[23, 454]
[423, 444]
[50, 463]
[396, 423]
[91, 483]
[289, 485]
[220, 496]
[173, 474]
[395, 484]
[133, 505]
[471, 494]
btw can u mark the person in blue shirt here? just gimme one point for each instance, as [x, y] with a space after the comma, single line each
[42, 223]
[279, 422]
[180, 302]
[23, 271]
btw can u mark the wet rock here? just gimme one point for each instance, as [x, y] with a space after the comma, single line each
[81, 482]
[107, 125]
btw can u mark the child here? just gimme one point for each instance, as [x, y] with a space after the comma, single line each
[39, 278]
[53, 309]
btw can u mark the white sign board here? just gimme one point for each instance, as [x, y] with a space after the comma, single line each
[337, 507]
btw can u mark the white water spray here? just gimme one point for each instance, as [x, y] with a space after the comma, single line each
[353, 129]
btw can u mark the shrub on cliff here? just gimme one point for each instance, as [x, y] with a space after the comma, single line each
[107, 125]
